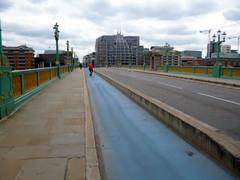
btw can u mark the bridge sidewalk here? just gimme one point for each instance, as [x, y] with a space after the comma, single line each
[51, 136]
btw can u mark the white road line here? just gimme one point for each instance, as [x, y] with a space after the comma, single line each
[162, 83]
[165, 84]
[221, 99]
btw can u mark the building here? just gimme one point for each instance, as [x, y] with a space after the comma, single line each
[89, 59]
[161, 55]
[118, 49]
[48, 58]
[191, 53]
[190, 57]
[19, 57]
[146, 56]
[226, 48]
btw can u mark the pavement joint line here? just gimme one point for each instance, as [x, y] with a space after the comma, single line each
[214, 142]
[58, 157]
[90, 146]
[66, 170]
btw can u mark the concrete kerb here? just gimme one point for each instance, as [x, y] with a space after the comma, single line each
[181, 76]
[213, 141]
[92, 164]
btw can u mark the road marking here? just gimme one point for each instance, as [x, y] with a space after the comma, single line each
[162, 83]
[221, 99]
[169, 85]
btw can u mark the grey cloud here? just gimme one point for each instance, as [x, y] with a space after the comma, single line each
[28, 31]
[37, 1]
[173, 41]
[178, 30]
[164, 10]
[233, 14]
[34, 32]
[200, 7]
[5, 4]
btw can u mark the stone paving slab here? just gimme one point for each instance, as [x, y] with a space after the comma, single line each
[46, 137]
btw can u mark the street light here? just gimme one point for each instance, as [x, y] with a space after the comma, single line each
[56, 35]
[166, 49]
[219, 42]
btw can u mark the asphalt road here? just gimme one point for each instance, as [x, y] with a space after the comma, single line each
[215, 105]
[135, 145]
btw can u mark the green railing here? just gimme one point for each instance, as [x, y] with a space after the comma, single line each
[210, 71]
[18, 86]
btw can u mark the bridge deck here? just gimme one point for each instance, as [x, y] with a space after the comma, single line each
[45, 138]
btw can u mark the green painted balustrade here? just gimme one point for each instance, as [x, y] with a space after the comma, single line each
[18, 86]
[211, 71]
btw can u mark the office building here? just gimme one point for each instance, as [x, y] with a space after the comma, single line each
[118, 50]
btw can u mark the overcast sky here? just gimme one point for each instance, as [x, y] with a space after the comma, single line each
[177, 22]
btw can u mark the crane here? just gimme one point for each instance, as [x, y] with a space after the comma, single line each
[208, 31]
[238, 39]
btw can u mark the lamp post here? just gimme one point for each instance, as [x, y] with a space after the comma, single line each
[3, 60]
[72, 59]
[219, 42]
[144, 61]
[67, 43]
[217, 69]
[56, 35]
[166, 49]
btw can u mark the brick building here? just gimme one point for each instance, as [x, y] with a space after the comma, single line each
[19, 57]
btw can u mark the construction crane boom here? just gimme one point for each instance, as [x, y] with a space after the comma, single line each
[208, 31]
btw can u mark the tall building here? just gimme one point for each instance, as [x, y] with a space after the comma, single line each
[20, 57]
[118, 49]
[211, 48]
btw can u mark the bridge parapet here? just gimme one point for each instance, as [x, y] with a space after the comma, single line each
[18, 86]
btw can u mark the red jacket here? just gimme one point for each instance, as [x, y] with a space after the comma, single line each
[90, 66]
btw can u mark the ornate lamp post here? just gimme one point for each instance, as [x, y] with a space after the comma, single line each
[67, 43]
[6, 84]
[219, 42]
[166, 50]
[56, 35]
[217, 69]
[72, 59]
[3, 61]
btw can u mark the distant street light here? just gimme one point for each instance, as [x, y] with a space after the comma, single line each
[219, 42]
[166, 50]
[56, 35]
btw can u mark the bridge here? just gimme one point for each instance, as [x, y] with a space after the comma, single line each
[175, 129]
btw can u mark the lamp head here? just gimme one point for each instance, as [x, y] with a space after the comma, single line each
[214, 37]
[224, 36]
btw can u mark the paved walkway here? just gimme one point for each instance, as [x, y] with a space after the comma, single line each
[51, 136]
